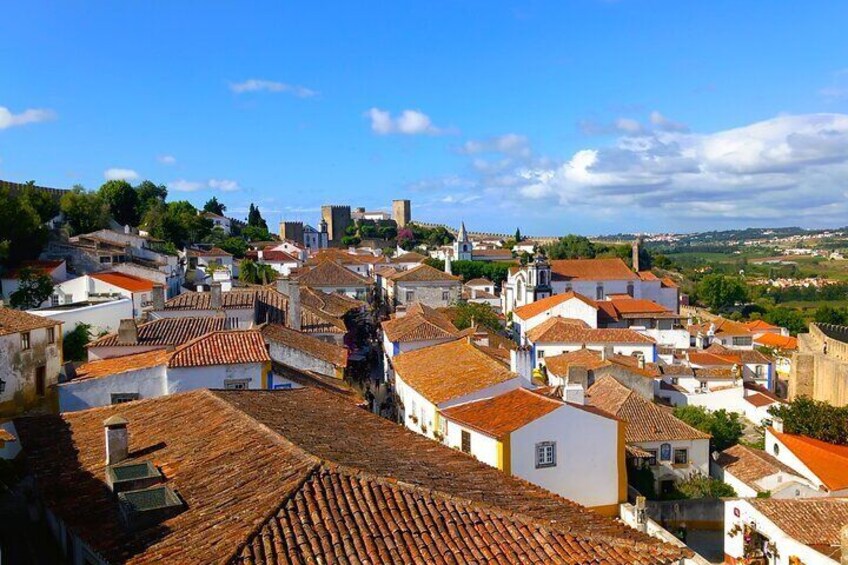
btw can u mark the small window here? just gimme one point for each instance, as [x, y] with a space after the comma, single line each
[445, 295]
[599, 292]
[675, 380]
[545, 454]
[759, 371]
[410, 295]
[25, 340]
[105, 259]
[665, 452]
[466, 442]
[543, 278]
[51, 335]
[652, 460]
[236, 384]
[121, 397]
[54, 300]
[775, 449]
[540, 354]
[681, 456]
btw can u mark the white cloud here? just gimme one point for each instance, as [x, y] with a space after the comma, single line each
[29, 116]
[224, 185]
[511, 144]
[120, 174]
[167, 159]
[183, 185]
[409, 122]
[260, 85]
[791, 168]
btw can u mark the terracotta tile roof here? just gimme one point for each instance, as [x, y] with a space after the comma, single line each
[638, 306]
[590, 359]
[213, 252]
[668, 283]
[330, 303]
[167, 331]
[36, 265]
[646, 421]
[423, 273]
[124, 281]
[783, 342]
[342, 257]
[718, 355]
[497, 253]
[292, 491]
[409, 257]
[16, 321]
[535, 308]
[815, 522]
[760, 326]
[750, 465]
[317, 348]
[479, 282]
[450, 370]
[330, 273]
[239, 299]
[723, 326]
[647, 276]
[591, 270]
[828, 461]
[272, 255]
[419, 323]
[221, 348]
[759, 400]
[500, 415]
[563, 330]
[122, 364]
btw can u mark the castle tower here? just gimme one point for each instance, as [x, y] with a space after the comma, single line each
[540, 277]
[338, 219]
[401, 212]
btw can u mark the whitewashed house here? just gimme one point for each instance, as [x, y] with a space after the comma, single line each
[105, 286]
[824, 464]
[10, 280]
[561, 446]
[753, 472]
[562, 335]
[418, 327]
[228, 360]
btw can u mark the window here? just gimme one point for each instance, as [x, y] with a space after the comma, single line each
[665, 452]
[410, 295]
[599, 292]
[630, 289]
[681, 456]
[54, 300]
[121, 397]
[41, 380]
[742, 341]
[236, 384]
[568, 287]
[51, 335]
[543, 278]
[540, 354]
[25, 340]
[675, 380]
[545, 454]
[105, 259]
[445, 295]
[775, 449]
[652, 460]
[466, 442]
[759, 371]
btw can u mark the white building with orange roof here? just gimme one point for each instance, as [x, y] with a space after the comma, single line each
[571, 305]
[728, 333]
[824, 464]
[235, 360]
[431, 379]
[565, 447]
[100, 287]
[561, 335]
[10, 281]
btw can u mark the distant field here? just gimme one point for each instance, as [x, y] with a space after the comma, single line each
[810, 305]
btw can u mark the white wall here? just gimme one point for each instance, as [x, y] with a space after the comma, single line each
[699, 459]
[587, 455]
[88, 393]
[786, 546]
[551, 349]
[95, 353]
[103, 317]
[574, 308]
[785, 456]
[190, 378]
[484, 448]
[299, 359]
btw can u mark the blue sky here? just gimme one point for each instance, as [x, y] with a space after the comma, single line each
[573, 116]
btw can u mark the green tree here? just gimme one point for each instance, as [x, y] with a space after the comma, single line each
[829, 315]
[256, 233]
[720, 291]
[177, 222]
[518, 237]
[724, 427]
[22, 233]
[212, 205]
[473, 313]
[787, 318]
[43, 202]
[73, 344]
[34, 287]
[815, 419]
[254, 218]
[700, 486]
[84, 211]
[149, 194]
[251, 272]
[122, 200]
[571, 247]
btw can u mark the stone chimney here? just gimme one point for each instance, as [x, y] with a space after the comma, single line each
[635, 257]
[777, 424]
[127, 332]
[640, 361]
[215, 301]
[294, 312]
[117, 439]
[283, 285]
[576, 382]
[521, 362]
[607, 352]
[448, 266]
[157, 297]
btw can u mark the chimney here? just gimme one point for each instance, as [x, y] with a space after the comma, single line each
[448, 266]
[777, 424]
[127, 332]
[117, 439]
[294, 313]
[283, 286]
[215, 295]
[473, 293]
[607, 352]
[157, 297]
[635, 258]
[576, 382]
[640, 361]
[521, 362]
